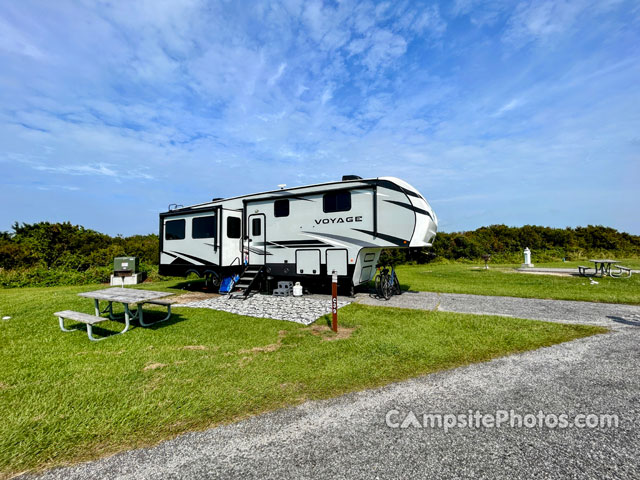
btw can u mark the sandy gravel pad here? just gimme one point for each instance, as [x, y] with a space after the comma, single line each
[190, 297]
[305, 310]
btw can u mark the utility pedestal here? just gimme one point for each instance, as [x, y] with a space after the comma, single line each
[527, 259]
[334, 301]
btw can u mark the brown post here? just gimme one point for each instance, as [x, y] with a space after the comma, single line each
[334, 301]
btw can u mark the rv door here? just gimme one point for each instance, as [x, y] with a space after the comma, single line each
[257, 235]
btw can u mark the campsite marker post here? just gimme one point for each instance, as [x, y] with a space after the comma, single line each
[334, 301]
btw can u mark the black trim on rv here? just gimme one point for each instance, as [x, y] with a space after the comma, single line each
[410, 207]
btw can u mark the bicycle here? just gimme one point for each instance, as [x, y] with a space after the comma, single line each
[395, 283]
[387, 284]
[381, 282]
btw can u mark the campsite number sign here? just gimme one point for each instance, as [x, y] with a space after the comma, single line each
[334, 301]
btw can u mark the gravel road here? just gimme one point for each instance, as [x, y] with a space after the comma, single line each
[604, 314]
[348, 437]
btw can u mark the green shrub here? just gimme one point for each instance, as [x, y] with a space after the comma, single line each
[46, 254]
[506, 245]
[40, 276]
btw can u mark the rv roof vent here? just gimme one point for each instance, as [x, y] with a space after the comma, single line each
[215, 199]
[351, 177]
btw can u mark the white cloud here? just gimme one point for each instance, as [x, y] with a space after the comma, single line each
[385, 46]
[510, 105]
[70, 188]
[482, 12]
[106, 170]
[272, 81]
[429, 20]
[541, 19]
[378, 49]
[421, 21]
[326, 96]
[13, 40]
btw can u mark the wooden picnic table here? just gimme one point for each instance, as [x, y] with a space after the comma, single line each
[603, 266]
[128, 296]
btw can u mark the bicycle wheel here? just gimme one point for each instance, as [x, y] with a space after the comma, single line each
[377, 282]
[396, 286]
[386, 287]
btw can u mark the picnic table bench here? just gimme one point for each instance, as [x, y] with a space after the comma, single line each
[126, 296]
[621, 271]
[582, 270]
[89, 320]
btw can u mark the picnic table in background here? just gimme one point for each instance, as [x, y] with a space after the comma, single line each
[125, 296]
[603, 266]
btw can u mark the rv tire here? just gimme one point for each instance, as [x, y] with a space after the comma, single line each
[211, 279]
[189, 272]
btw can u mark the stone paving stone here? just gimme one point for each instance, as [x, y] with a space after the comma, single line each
[305, 310]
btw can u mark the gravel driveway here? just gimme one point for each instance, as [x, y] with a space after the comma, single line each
[348, 437]
[604, 314]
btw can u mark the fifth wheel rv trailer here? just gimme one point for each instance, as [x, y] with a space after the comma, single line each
[302, 233]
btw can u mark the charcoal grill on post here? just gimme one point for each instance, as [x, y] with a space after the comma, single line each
[126, 271]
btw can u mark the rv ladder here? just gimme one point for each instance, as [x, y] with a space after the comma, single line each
[248, 280]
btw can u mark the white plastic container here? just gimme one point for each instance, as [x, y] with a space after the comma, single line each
[297, 290]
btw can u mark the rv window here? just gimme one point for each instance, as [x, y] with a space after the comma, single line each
[174, 230]
[336, 202]
[204, 227]
[256, 227]
[281, 208]
[233, 227]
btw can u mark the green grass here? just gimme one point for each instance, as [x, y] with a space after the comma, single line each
[65, 399]
[504, 280]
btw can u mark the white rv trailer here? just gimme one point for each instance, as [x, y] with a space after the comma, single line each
[298, 233]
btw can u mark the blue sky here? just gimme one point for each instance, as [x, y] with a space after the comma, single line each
[515, 112]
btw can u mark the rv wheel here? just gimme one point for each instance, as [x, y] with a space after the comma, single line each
[211, 279]
[192, 275]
